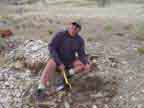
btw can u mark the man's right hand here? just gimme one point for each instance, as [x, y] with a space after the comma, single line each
[62, 67]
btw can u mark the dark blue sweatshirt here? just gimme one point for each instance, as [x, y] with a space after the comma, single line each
[63, 48]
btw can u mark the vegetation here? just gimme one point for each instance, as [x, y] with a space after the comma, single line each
[139, 29]
[50, 31]
[108, 27]
[140, 50]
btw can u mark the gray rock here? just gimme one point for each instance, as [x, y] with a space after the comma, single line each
[94, 106]
[66, 104]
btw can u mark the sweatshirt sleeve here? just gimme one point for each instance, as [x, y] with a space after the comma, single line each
[81, 52]
[53, 46]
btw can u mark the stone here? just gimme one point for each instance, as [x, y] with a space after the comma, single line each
[7, 84]
[18, 94]
[18, 65]
[94, 106]
[133, 98]
[106, 106]
[33, 56]
[66, 104]
[99, 94]
[139, 106]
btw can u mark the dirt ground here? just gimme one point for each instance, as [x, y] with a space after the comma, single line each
[110, 33]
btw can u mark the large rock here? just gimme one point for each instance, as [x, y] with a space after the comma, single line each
[32, 54]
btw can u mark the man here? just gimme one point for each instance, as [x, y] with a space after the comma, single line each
[67, 52]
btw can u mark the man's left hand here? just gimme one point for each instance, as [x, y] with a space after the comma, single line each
[87, 68]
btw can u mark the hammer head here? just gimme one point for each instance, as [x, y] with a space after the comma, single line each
[68, 87]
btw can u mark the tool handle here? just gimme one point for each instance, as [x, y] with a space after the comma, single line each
[66, 79]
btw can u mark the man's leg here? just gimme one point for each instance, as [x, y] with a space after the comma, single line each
[47, 73]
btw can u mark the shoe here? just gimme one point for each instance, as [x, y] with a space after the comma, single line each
[41, 94]
[60, 86]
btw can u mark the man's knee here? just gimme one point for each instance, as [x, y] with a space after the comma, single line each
[78, 65]
[81, 66]
[51, 62]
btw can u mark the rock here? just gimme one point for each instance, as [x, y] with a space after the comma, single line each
[7, 84]
[2, 78]
[133, 98]
[25, 106]
[142, 91]
[66, 104]
[119, 34]
[18, 65]
[18, 94]
[139, 106]
[94, 106]
[114, 65]
[98, 95]
[33, 56]
[94, 61]
[106, 106]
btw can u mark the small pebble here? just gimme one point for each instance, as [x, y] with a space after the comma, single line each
[94, 106]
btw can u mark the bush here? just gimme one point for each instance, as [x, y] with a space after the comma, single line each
[108, 27]
[140, 50]
[2, 43]
[139, 29]
[50, 31]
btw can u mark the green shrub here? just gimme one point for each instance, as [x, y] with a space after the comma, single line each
[2, 43]
[50, 31]
[108, 27]
[139, 29]
[140, 50]
[90, 39]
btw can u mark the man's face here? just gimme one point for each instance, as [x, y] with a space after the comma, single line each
[73, 30]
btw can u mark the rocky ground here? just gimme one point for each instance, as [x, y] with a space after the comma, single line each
[116, 82]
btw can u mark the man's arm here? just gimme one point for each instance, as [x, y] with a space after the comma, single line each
[81, 52]
[53, 46]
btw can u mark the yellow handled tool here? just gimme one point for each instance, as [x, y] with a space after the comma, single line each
[66, 80]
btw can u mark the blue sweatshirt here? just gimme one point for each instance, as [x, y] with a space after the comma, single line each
[63, 48]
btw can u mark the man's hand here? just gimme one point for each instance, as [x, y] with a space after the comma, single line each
[62, 67]
[87, 67]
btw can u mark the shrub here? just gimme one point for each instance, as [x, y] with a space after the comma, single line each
[139, 29]
[140, 50]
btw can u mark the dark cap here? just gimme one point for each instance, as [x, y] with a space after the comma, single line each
[77, 24]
